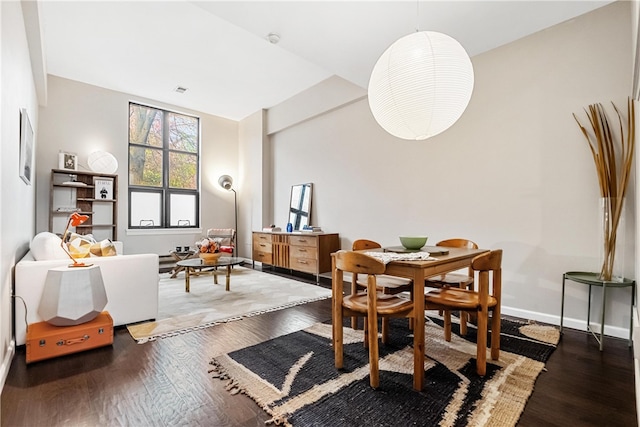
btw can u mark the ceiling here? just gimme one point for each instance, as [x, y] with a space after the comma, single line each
[219, 50]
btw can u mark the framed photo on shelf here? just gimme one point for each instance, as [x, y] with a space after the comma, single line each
[103, 188]
[26, 146]
[67, 161]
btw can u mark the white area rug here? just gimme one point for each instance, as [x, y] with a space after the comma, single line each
[252, 293]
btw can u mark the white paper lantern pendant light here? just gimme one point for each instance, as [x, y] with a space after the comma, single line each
[421, 85]
[102, 162]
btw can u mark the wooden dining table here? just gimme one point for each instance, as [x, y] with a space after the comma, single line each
[456, 259]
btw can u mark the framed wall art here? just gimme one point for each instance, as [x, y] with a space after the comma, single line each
[103, 188]
[67, 161]
[26, 147]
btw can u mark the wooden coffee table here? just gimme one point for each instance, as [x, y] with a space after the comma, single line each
[198, 265]
[180, 256]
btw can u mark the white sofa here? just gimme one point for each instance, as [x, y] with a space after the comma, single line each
[131, 282]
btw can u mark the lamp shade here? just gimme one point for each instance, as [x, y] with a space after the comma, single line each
[225, 182]
[421, 85]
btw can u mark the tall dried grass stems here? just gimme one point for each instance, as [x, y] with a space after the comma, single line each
[613, 158]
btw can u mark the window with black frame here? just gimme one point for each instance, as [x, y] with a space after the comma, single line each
[163, 168]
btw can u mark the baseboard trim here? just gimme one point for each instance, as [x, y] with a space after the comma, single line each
[6, 363]
[636, 359]
[579, 324]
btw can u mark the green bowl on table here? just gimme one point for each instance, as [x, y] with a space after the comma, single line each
[413, 242]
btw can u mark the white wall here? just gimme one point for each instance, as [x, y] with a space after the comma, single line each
[17, 219]
[514, 173]
[82, 118]
[254, 201]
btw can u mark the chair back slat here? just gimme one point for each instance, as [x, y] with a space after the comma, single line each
[227, 235]
[357, 262]
[458, 243]
[364, 244]
[488, 261]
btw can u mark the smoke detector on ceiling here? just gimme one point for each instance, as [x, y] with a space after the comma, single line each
[273, 38]
[180, 89]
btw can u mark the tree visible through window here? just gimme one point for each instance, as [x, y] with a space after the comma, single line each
[163, 168]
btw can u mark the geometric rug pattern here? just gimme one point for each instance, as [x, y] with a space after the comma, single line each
[294, 380]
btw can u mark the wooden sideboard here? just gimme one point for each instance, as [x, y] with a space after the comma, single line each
[306, 252]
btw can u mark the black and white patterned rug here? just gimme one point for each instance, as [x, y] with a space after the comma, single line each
[293, 377]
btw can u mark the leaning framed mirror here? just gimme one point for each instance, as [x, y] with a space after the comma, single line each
[300, 206]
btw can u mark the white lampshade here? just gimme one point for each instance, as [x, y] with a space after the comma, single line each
[421, 85]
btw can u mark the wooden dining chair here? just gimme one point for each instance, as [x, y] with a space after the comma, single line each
[370, 304]
[386, 284]
[480, 302]
[457, 280]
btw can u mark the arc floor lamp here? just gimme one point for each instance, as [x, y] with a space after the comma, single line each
[226, 182]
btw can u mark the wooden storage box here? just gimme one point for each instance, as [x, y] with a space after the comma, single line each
[45, 341]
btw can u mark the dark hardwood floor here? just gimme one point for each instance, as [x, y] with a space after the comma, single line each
[165, 383]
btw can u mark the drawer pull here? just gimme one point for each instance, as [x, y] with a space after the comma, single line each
[302, 261]
[263, 245]
[302, 240]
[302, 250]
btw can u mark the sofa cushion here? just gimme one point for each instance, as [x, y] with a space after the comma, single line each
[45, 246]
[103, 248]
[79, 245]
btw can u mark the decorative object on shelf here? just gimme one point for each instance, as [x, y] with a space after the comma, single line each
[75, 219]
[73, 184]
[72, 296]
[289, 228]
[420, 85]
[613, 157]
[226, 182]
[103, 188]
[102, 162]
[311, 229]
[26, 147]
[68, 161]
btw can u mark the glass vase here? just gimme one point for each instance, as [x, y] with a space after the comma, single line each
[611, 239]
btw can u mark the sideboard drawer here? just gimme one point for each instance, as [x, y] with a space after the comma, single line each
[303, 241]
[304, 264]
[261, 238]
[308, 252]
[262, 248]
[264, 257]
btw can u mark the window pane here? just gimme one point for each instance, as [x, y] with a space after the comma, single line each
[183, 210]
[145, 166]
[145, 209]
[183, 133]
[164, 149]
[145, 125]
[183, 171]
